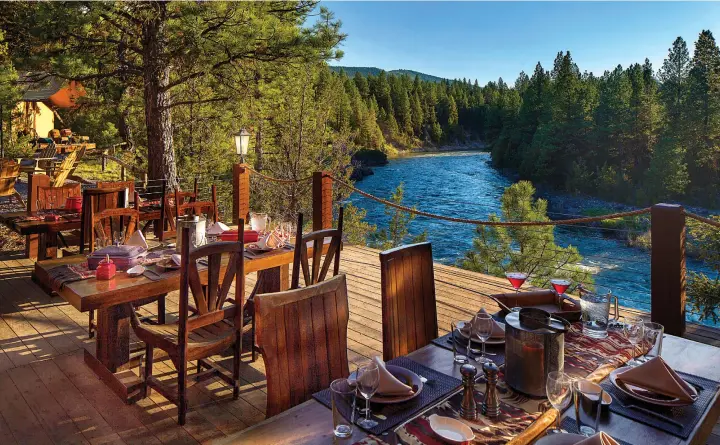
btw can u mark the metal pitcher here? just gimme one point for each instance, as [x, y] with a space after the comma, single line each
[197, 230]
[259, 221]
[595, 306]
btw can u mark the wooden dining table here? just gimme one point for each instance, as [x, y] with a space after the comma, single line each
[112, 300]
[311, 422]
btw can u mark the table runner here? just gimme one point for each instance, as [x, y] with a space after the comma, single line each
[68, 273]
[688, 416]
[438, 385]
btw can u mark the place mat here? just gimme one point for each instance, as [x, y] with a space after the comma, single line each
[445, 342]
[68, 273]
[688, 416]
[371, 440]
[25, 218]
[511, 422]
[569, 424]
[438, 385]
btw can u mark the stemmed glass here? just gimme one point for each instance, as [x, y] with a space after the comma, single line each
[368, 381]
[481, 327]
[560, 285]
[516, 279]
[454, 331]
[634, 331]
[559, 392]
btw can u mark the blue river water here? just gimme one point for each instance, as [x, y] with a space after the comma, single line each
[465, 184]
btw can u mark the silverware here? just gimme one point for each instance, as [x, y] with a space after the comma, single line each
[473, 350]
[652, 413]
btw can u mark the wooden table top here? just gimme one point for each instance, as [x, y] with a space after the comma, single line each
[311, 422]
[10, 219]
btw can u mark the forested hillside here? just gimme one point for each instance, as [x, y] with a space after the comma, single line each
[366, 70]
[633, 134]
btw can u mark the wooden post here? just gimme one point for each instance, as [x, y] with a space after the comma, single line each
[32, 242]
[322, 201]
[241, 193]
[103, 161]
[667, 267]
[122, 172]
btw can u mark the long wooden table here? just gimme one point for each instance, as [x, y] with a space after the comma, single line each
[311, 422]
[111, 299]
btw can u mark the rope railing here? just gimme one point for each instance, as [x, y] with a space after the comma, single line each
[697, 217]
[278, 180]
[479, 222]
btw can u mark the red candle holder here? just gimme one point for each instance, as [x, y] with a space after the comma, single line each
[52, 217]
[105, 270]
[74, 203]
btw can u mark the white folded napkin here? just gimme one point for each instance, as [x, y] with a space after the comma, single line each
[137, 239]
[389, 384]
[498, 330]
[176, 258]
[217, 228]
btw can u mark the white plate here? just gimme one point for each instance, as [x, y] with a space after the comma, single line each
[405, 376]
[450, 430]
[491, 341]
[560, 439]
[136, 271]
[642, 394]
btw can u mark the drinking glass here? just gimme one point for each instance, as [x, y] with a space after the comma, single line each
[455, 336]
[653, 340]
[634, 331]
[516, 279]
[482, 327]
[560, 285]
[559, 393]
[588, 404]
[368, 381]
[343, 393]
[595, 307]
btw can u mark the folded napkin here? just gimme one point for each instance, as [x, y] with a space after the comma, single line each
[137, 239]
[119, 251]
[389, 384]
[497, 332]
[217, 228]
[176, 258]
[655, 375]
[598, 439]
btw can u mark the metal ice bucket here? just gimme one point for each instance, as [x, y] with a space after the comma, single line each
[534, 347]
[196, 224]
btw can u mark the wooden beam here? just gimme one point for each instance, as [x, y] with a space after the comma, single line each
[322, 201]
[667, 267]
[32, 242]
[241, 193]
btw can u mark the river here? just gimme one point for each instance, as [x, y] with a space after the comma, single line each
[465, 184]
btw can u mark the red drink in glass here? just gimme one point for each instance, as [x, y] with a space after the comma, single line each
[560, 285]
[516, 279]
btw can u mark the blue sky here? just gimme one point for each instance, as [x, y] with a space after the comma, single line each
[485, 40]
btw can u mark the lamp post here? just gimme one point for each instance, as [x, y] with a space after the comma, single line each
[242, 141]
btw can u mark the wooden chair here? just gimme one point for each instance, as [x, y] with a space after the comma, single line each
[80, 155]
[9, 173]
[43, 160]
[186, 203]
[55, 197]
[315, 273]
[204, 330]
[302, 334]
[409, 313]
[60, 172]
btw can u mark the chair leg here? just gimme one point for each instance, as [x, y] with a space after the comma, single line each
[148, 369]
[18, 196]
[161, 310]
[182, 397]
[252, 339]
[237, 349]
[91, 324]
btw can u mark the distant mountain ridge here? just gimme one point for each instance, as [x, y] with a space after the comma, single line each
[365, 70]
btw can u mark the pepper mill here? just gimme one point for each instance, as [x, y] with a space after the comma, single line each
[468, 409]
[491, 402]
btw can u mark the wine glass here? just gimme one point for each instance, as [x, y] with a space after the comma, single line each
[634, 331]
[560, 285]
[482, 327]
[368, 381]
[559, 393]
[516, 279]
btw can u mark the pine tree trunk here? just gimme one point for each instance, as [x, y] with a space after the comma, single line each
[156, 76]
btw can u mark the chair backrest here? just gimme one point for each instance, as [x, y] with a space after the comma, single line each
[210, 300]
[106, 222]
[63, 170]
[9, 172]
[94, 202]
[55, 197]
[316, 272]
[186, 203]
[110, 201]
[409, 313]
[48, 152]
[302, 334]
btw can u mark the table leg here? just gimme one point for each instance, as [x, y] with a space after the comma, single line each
[42, 247]
[51, 245]
[31, 245]
[112, 347]
[275, 279]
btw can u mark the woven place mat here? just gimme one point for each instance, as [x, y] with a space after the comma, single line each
[445, 342]
[570, 425]
[688, 416]
[438, 385]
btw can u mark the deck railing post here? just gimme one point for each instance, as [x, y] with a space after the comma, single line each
[241, 193]
[667, 267]
[322, 201]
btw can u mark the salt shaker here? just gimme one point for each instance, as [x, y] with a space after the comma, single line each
[468, 409]
[491, 403]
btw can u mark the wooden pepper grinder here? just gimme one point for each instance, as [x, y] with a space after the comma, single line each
[468, 409]
[491, 402]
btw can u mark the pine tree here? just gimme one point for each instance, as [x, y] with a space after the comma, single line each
[673, 78]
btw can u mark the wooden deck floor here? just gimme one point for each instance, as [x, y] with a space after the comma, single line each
[49, 396]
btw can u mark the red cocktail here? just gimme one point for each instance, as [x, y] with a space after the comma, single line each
[560, 285]
[516, 279]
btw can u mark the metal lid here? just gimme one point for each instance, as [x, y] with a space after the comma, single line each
[536, 321]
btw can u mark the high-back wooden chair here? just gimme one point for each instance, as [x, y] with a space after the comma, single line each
[207, 328]
[55, 197]
[186, 203]
[80, 155]
[302, 334]
[9, 173]
[317, 271]
[60, 172]
[409, 313]
[111, 200]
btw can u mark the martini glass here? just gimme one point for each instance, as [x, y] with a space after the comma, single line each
[560, 285]
[516, 279]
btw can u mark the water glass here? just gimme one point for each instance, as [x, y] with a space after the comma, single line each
[654, 333]
[635, 333]
[559, 393]
[482, 327]
[588, 404]
[456, 339]
[342, 392]
[595, 307]
[367, 379]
